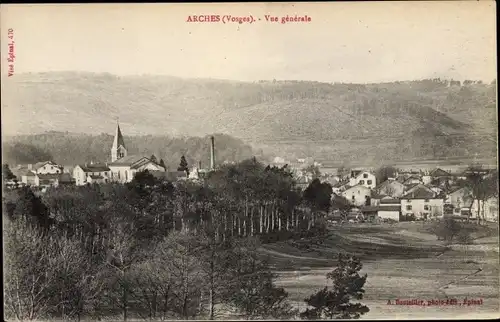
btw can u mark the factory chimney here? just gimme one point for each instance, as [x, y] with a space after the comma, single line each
[212, 153]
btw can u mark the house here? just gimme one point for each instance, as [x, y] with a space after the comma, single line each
[439, 177]
[124, 167]
[340, 187]
[66, 179]
[412, 179]
[358, 195]
[47, 180]
[376, 198]
[436, 189]
[198, 173]
[423, 203]
[46, 167]
[100, 173]
[389, 209]
[369, 213]
[364, 178]
[459, 197]
[391, 188]
[28, 178]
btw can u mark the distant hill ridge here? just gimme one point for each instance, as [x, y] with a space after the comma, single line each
[287, 117]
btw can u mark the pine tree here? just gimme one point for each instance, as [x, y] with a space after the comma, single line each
[7, 173]
[183, 166]
[335, 302]
[153, 158]
[162, 163]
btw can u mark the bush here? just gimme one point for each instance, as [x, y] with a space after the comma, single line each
[449, 230]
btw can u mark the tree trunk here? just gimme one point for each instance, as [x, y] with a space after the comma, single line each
[233, 225]
[252, 228]
[261, 219]
[478, 213]
[155, 303]
[245, 224]
[279, 222]
[212, 286]
[125, 303]
[268, 217]
[239, 226]
[165, 304]
[273, 219]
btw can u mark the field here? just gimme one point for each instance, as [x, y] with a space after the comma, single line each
[403, 261]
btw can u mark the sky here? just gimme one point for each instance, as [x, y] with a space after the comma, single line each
[344, 42]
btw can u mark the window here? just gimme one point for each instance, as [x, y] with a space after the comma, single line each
[408, 207]
[426, 207]
[359, 192]
[118, 174]
[365, 175]
[369, 182]
[126, 175]
[426, 200]
[353, 197]
[361, 181]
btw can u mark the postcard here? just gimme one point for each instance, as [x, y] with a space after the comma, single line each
[250, 161]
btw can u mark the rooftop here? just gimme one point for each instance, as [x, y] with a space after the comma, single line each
[94, 168]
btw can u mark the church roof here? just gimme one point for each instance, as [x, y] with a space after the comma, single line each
[118, 141]
[127, 160]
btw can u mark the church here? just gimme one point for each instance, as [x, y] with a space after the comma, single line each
[124, 166]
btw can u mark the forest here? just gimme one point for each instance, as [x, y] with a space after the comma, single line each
[71, 149]
[159, 250]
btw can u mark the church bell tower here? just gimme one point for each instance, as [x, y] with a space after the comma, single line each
[118, 149]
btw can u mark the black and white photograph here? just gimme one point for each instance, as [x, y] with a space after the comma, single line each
[250, 161]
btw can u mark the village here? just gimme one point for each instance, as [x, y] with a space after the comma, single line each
[397, 195]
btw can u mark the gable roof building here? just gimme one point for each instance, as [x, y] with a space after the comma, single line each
[419, 191]
[438, 172]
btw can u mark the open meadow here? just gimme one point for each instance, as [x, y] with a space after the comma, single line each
[403, 261]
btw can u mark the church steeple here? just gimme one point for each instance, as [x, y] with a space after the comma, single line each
[118, 149]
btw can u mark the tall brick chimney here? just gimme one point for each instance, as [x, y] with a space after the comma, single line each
[212, 153]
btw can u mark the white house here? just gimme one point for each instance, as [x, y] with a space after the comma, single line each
[91, 173]
[459, 198]
[357, 195]
[389, 209]
[28, 178]
[422, 202]
[47, 167]
[364, 178]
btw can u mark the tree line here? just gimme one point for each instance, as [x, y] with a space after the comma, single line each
[155, 249]
[72, 149]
